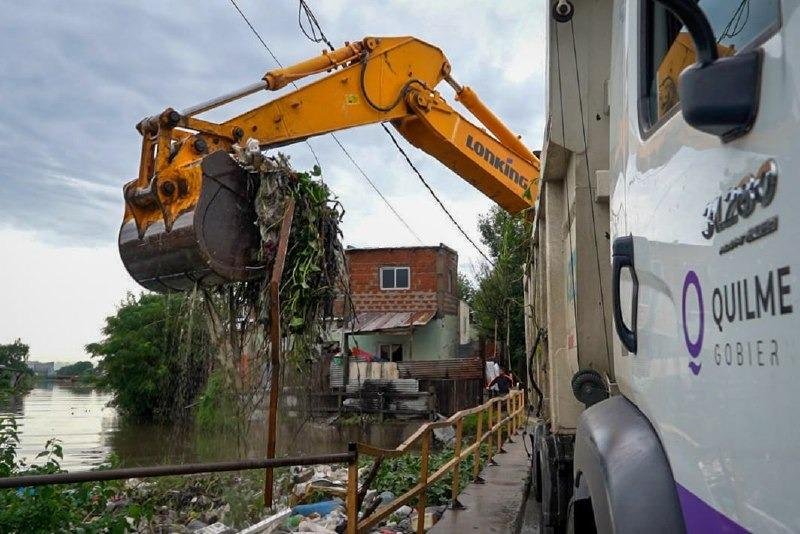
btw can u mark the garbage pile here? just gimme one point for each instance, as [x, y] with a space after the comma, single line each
[320, 492]
[314, 271]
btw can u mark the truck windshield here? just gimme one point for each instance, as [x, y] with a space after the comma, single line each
[668, 49]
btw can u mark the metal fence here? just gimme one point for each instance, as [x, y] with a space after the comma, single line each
[171, 470]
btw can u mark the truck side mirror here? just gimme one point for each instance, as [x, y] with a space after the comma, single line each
[718, 95]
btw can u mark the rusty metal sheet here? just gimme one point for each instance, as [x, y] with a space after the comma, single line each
[387, 321]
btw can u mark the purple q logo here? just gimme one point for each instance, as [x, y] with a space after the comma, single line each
[695, 346]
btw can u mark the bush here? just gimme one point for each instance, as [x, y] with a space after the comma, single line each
[56, 508]
[398, 475]
[15, 376]
[155, 355]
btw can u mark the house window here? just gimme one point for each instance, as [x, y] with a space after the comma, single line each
[391, 352]
[395, 278]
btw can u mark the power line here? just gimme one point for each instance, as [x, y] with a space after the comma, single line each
[435, 196]
[258, 35]
[275, 58]
[313, 21]
[303, 9]
[357, 166]
[315, 26]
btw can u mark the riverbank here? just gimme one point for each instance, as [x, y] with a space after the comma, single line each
[92, 436]
[307, 498]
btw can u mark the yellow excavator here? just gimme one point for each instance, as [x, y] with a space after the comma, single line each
[189, 216]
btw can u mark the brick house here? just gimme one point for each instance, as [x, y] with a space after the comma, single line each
[405, 301]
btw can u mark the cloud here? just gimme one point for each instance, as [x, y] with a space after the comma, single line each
[83, 73]
[56, 297]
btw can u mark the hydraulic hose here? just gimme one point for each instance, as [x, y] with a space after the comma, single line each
[399, 97]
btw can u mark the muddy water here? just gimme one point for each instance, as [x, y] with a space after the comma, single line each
[90, 430]
[77, 415]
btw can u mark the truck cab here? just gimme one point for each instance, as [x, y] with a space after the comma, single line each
[699, 431]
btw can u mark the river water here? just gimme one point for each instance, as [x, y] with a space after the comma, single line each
[79, 416]
[90, 430]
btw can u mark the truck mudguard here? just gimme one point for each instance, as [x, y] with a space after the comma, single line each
[621, 466]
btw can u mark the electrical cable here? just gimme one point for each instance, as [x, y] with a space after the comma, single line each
[364, 174]
[435, 196]
[275, 58]
[315, 23]
[609, 354]
[258, 35]
[304, 9]
[736, 21]
[540, 335]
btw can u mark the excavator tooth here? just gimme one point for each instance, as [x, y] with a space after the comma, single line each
[213, 242]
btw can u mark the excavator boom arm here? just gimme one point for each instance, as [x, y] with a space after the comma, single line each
[375, 80]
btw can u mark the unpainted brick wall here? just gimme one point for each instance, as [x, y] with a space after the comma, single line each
[433, 281]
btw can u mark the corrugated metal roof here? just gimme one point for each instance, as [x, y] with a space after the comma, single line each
[382, 321]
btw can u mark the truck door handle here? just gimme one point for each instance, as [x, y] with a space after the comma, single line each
[622, 256]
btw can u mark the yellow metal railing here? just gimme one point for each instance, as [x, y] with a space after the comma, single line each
[496, 424]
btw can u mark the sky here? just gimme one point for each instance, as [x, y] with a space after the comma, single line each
[77, 76]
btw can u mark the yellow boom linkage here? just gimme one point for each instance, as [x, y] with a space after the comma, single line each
[189, 215]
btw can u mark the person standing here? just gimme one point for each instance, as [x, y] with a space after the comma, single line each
[504, 381]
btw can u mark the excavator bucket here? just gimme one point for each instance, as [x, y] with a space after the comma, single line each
[211, 240]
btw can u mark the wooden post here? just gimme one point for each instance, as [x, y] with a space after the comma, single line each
[500, 448]
[352, 491]
[275, 344]
[510, 414]
[476, 459]
[512, 411]
[490, 440]
[425, 453]
[454, 504]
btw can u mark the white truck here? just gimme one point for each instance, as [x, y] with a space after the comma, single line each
[661, 326]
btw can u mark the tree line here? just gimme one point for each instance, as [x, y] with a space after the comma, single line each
[497, 295]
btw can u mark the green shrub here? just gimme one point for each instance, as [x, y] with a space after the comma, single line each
[155, 355]
[398, 475]
[54, 508]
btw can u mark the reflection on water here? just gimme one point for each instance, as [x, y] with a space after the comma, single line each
[77, 415]
[89, 430]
